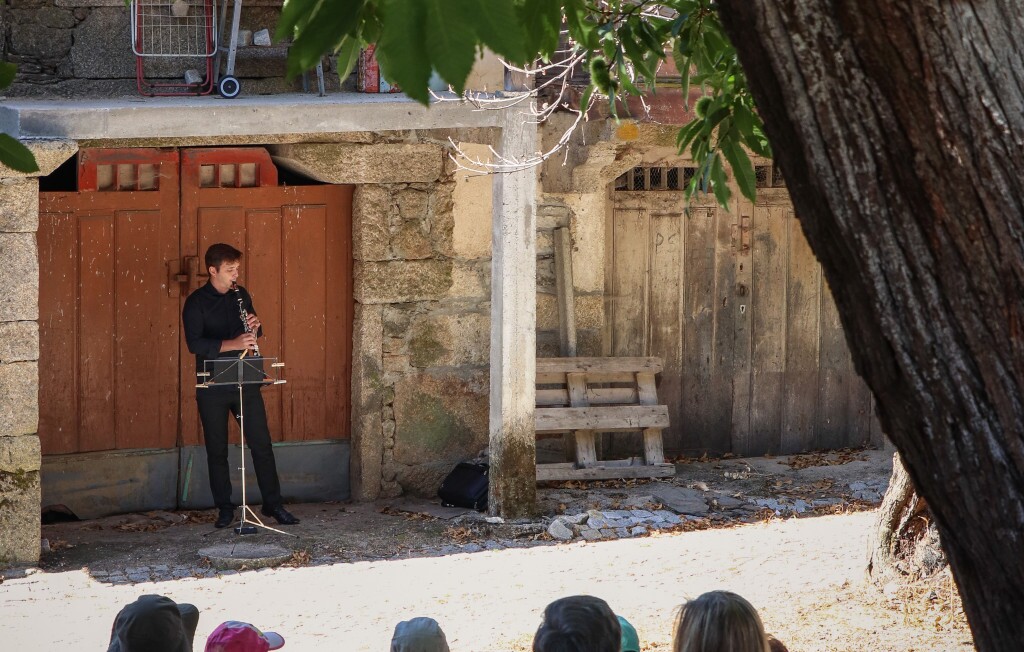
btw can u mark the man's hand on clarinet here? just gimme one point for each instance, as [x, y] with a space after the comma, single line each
[254, 322]
[243, 341]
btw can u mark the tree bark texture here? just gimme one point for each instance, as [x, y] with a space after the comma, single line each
[906, 542]
[900, 130]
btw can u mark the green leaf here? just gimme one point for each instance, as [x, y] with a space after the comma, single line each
[650, 39]
[498, 29]
[581, 27]
[715, 115]
[7, 72]
[742, 168]
[719, 183]
[687, 134]
[451, 39]
[348, 55]
[16, 156]
[623, 76]
[744, 119]
[634, 52]
[322, 31]
[585, 100]
[542, 22]
[402, 50]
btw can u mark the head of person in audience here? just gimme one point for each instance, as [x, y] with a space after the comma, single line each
[579, 623]
[419, 635]
[718, 621]
[236, 636]
[154, 623]
[630, 639]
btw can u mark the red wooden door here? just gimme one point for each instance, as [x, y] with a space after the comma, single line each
[118, 258]
[297, 265]
[108, 358]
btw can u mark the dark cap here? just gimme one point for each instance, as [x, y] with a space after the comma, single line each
[154, 623]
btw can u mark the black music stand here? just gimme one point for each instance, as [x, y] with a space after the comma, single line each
[252, 370]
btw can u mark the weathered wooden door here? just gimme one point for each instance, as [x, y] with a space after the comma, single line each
[734, 301]
[108, 331]
[297, 265]
[118, 258]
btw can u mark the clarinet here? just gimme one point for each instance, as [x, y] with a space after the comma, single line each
[245, 318]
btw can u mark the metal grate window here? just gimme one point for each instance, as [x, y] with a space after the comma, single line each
[769, 176]
[127, 177]
[762, 176]
[672, 179]
[655, 178]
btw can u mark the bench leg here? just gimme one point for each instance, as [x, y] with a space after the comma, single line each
[586, 454]
[569, 445]
[654, 453]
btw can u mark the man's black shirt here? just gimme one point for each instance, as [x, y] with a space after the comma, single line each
[210, 318]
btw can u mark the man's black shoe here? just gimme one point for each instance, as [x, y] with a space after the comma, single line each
[224, 517]
[282, 516]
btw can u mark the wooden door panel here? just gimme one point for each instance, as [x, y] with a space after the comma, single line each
[700, 405]
[97, 332]
[768, 328]
[803, 306]
[303, 325]
[58, 330]
[628, 300]
[262, 274]
[108, 326]
[665, 320]
[146, 356]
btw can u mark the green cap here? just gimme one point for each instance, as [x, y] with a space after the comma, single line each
[630, 641]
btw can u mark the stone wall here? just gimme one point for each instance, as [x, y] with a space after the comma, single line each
[20, 457]
[81, 48]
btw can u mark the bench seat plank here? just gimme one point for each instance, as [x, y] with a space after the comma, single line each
[599, 365]
[604, 418]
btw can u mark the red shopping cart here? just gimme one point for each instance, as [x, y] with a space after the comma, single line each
[174, 38]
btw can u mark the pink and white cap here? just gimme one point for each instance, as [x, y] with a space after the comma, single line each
[235, 636]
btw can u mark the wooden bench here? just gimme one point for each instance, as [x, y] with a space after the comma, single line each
[580, 397]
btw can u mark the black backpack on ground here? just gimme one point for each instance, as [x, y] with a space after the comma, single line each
[465, 486]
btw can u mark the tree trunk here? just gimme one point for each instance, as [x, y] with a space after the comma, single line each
[906, 546]
[898, 126]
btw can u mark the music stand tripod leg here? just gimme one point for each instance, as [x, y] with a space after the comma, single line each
[245, 526]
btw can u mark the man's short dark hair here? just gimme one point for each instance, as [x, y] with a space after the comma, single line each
[579, 623]
[221, 253]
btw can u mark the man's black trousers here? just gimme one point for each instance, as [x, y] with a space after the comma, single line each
[214, 406]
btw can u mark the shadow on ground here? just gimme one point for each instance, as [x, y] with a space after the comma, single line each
[157, 546]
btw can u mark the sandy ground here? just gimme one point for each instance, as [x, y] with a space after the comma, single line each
[805, 576]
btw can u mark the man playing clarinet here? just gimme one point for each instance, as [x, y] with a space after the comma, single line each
[214, 328]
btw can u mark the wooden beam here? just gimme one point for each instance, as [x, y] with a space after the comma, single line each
[603, 418]
[566, 292]
[513, 446]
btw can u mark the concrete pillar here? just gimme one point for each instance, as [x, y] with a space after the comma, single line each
[513, 448]
[20, 456]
